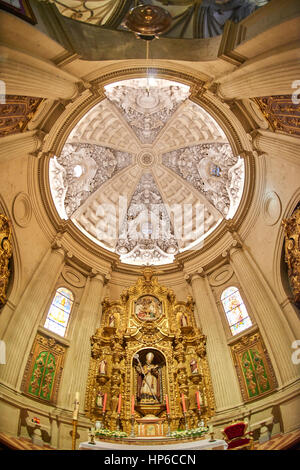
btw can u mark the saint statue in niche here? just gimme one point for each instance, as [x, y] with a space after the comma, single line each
[102, 367]
[148, 381]
[99, 399]
[112, 321]
[148, 308]
[194, 366]
[183, 320]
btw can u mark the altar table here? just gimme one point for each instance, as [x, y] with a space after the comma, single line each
[203, 444]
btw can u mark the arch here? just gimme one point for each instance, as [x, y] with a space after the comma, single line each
[235, 310]
[59, 312]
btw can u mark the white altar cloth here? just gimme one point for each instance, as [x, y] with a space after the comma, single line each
[203, 444]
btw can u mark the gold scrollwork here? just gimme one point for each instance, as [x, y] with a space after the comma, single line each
[148, 356]
[292, 252]
[5, 255]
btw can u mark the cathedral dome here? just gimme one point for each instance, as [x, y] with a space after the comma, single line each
[147, 173]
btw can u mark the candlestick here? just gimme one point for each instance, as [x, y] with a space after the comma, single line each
[185, 421]
[198, 400]
[211, 432]
[119, 404]
[183, 403]
[167, 405]
[92, 437]
[74, 433]
[104, 402]
[169, 427]
[199, 421]
[118, 422]
[132, 426]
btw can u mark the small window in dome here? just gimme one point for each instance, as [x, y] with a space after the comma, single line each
[215, 171]
[77, 171]
[235, 309]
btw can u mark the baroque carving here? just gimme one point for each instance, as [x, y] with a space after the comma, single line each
[147, 108]
[147, 234]
[292, 252]
[213, 170]
[80, 170]
[16, 112]
[282, 114]
[148, 354]
[5, 256]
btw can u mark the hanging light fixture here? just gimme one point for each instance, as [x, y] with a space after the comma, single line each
[147, 22]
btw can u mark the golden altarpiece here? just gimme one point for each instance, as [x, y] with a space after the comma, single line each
[149, 350]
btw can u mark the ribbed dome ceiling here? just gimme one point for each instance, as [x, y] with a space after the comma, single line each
[147, 173]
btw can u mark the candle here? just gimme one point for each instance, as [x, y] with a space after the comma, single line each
[183, 403]
[210, 428]
[132, 405]
[77, 395]
[104, 402]
[198, 399]
[167, 405]
[119, 403]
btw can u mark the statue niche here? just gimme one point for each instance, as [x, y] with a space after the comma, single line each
[149, 372]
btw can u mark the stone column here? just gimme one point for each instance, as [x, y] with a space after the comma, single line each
[77, 362]
[277, 145]
[264, 76]
[35, 77]
[18, 145]
[22, 327]
[224, 379]
[269, 317]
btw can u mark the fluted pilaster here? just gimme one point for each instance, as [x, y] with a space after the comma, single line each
[35, 79]
[22, 327]
[77, 364]
[269, 317]
[225, 384]
[18, 145]
[277, 145]
[262, 80]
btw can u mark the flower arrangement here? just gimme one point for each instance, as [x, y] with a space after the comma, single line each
[107, 433]
[189, 433]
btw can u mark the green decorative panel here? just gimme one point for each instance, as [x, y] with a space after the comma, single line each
[44, 368]
[254, 369]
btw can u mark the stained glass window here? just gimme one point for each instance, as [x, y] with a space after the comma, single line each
[235, 309]
[59, 311]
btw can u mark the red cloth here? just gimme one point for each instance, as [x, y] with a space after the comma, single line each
[237, 443]
[235, 430]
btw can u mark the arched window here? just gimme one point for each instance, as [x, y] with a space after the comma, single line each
[59, 311]
[235, 309]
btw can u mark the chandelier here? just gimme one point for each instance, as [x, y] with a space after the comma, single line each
[147, 21]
